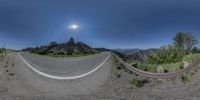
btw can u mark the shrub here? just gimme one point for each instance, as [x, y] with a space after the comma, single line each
[185, 78]
[166, 71]
[1, 50]
[126, 69]
[117, 75]
[118, 66]
[136, 82]
[166, 54]
[130, 72]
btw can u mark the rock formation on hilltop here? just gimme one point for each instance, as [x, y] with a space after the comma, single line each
[69, 48]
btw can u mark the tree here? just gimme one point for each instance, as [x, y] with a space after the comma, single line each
[166, 54]
[195, 50]
[1, 50]
[190, 42]
[179, 40]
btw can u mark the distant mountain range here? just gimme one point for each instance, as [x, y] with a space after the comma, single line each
[139, 55]
[142, 56]
[128, 51]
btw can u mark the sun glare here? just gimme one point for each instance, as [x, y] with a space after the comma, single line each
[74, 26]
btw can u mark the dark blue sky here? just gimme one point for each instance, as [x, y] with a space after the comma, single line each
[103, 23]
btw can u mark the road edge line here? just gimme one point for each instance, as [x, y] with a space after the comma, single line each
[63, 78]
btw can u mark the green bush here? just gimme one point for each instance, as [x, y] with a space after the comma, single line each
[117, 75]
[118, 66]
[136, 82]
[185, 78]
[1, 50]
[166, 54]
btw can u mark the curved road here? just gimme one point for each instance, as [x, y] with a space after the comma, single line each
[74, 77]
[158, 75]
[64, 68]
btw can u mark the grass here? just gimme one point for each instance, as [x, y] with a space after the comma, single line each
[161, 67]
[191, 57]
[131, 61]
[147, 67]
[168, 67]
[189, 75]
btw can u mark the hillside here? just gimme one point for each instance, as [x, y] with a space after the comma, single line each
[128, 51]
[142, 55]
[72, 47]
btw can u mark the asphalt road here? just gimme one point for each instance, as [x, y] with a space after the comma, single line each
[19, 82]
[64, 67]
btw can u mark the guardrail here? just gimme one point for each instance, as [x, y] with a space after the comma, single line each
[158, 75]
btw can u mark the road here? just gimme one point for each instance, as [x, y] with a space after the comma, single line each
[158, 75]
[64, 68]
[68, 76]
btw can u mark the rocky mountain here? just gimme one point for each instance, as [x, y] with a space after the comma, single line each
[141, 56]
[69, 48]
[128, 51]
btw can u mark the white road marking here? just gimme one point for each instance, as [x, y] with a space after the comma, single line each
[63, 78]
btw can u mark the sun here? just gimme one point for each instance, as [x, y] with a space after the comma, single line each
[74, 26]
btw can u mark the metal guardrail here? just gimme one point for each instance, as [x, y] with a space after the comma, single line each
[157, 75]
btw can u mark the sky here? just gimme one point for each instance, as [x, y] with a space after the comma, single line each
[102, 23]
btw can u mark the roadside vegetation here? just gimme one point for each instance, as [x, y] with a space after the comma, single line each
[172, 57]
[117, 74]
[186, 78]
[133, 79]
[136, 82]
[1, 51]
